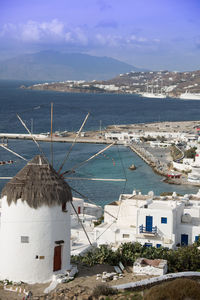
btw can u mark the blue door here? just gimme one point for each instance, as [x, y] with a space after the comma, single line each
[184, 239]
[149, 222]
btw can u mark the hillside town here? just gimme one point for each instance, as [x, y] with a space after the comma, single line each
[152, 84]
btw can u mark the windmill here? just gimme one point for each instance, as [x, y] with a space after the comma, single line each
[66, 174]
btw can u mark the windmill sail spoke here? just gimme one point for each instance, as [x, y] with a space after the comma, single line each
[81, 223]
[87, 160]
[33, 138]
[74, 141]
[13, 152]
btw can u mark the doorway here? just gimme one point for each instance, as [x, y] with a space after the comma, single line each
[57, 258]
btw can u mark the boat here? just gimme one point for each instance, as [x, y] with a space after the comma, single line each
[153, 95]
[8, 162]
[190, 96]
[132, 167]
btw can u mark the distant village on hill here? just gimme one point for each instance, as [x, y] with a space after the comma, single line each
[157, 84]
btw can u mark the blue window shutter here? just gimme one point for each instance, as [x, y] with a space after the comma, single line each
[163, 220]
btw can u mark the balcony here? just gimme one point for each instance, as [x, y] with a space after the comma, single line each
[152, 231]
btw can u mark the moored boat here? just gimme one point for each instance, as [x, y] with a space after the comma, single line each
[132, 167]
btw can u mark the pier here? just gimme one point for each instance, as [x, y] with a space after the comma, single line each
[148, 158]
[91, 139]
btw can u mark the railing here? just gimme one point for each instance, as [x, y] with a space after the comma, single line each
[142, 229]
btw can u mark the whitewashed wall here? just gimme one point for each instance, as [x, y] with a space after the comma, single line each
[43, 226]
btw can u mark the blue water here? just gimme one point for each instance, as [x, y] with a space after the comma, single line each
[69, 112]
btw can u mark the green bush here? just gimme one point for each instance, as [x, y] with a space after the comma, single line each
[99, 221]
[190, 153]
[183, 259]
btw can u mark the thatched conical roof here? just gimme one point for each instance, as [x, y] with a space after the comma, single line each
[38, 184]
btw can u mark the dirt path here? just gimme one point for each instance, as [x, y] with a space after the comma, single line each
[83, 284]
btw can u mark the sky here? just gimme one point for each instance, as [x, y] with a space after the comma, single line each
[151, 34]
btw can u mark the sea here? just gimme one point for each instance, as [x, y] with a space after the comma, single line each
[69, 111]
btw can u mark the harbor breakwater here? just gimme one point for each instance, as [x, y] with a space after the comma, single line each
[157, 166]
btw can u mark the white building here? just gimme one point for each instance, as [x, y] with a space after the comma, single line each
[85, 216]
[151, 220]
[160, 144]
[192, 166]
[123, 136]
[172, 136]
[35, 224]
[156, 267]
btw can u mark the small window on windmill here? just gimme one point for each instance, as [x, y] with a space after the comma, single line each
[24, 239]
[126, 236]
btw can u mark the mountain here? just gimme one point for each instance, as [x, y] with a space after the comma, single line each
[56, 66]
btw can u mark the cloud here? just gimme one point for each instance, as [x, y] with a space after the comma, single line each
[134, 39]
[108, 40]
[33, 31]
[44, 32]
[57, 33]
[125, 40]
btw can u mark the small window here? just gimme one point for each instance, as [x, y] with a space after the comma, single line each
[148, 245]
[158, 245]
[197, 238]
[164, 220]
[126, 236]
[24, 239]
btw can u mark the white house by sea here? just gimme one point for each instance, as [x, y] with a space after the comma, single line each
[87, 214]
[128, 136]
[151, 220]
[35, 224]
[190, 165]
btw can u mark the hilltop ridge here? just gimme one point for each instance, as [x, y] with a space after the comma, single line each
[57, 66]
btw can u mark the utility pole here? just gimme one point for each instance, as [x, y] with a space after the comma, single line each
[31, 126]
[100, 127]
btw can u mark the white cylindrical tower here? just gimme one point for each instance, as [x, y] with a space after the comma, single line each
[35, 224]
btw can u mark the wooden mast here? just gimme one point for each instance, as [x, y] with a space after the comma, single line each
[52, 134]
